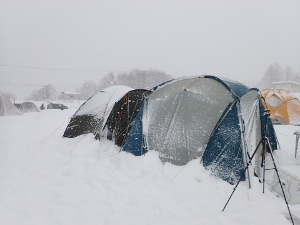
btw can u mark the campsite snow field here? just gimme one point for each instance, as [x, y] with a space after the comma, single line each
[49, 180]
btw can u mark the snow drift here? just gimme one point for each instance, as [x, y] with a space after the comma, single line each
[49, 180]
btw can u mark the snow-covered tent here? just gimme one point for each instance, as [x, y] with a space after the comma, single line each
[93, 113]
[284, 107]
[60, 106]
[7, 107]
[27, 107]
[122, 114]
[218, 121]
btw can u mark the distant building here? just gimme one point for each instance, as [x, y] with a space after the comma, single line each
[290, 86]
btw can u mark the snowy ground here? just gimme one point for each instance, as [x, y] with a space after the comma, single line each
[49, 180]
[286, 138]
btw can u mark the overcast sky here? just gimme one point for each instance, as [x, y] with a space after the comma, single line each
[65, 42]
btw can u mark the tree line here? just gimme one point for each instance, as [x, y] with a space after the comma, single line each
[145, 79]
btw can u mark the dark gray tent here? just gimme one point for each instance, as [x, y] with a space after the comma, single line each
[57, 106]
[27, 107]
[122, 114]
[93, 113]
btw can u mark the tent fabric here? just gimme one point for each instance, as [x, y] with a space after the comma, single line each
[293, 110]
[162, 84]
[284, 107]
[81, 124]
[122, 114]
[102, 101]
[178, 124]
[217, 121]
[93, 113]
[252, 130]
[223, 155]
[250, 114]
[236, 88]
[27, 107]
[7, 107]
[134, 142]
[267, 128]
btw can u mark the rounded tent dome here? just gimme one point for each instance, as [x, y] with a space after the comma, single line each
[94, 112]
[177, 122]
[284, 107]
[182, 114]
[205, 117]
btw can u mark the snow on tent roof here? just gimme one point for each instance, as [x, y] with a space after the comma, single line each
[93, 113]
[286, 82]
[102, 101]
[236, 88]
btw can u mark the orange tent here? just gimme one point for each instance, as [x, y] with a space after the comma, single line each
[284, 108]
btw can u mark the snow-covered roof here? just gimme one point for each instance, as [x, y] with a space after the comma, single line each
[69, 93]
[286, 82]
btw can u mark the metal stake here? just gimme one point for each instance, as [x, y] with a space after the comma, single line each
[297, 133]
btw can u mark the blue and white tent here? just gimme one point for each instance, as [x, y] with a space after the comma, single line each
[216, 120]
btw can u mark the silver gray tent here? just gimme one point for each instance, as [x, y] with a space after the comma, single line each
[218, 121]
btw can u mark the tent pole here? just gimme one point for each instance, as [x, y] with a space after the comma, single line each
[296, 145]
[279, 180]
[244, 148]
[248, 172]
[264, 174]
[264, 164]
[264, 139]
[245, 169]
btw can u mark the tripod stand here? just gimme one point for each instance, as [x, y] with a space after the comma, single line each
[264, 142]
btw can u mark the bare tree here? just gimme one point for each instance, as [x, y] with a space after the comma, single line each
[273, 73]
[88, 89]
[136, 79]
[47, 92]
